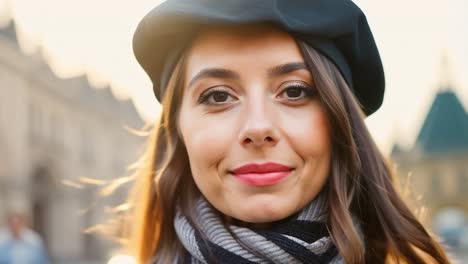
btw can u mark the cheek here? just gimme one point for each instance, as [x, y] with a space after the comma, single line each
[207, 140]
[310, 140]
[309, 132]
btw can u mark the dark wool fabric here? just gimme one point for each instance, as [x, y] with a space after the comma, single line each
[302, 238]
[336, 28]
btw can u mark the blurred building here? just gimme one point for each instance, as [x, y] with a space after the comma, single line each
[435, 170]
[57, 138]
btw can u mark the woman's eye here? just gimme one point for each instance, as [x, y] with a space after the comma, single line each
[294, 92]
[220, 97]
[213, 97]
[297, 92]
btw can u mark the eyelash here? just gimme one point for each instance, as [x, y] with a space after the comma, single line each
[206, 95]
[308, 90]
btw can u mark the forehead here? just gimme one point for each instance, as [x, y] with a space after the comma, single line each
[259, 43]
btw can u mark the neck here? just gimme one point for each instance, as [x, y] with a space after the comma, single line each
[16, 235]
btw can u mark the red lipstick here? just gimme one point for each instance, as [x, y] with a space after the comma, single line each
[261, 174]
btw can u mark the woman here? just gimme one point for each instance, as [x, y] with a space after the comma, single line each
[261, 154]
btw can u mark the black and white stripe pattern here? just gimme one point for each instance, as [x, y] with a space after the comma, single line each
[304, 239]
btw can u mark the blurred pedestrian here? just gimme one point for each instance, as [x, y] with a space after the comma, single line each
[19, 244]
[262, 154]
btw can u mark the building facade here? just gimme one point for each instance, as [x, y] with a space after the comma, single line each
[61, 140]
[434, 172]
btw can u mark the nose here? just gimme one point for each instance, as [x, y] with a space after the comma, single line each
[259, 127]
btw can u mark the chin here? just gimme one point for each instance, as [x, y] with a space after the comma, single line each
[264, 212]
[261, 219]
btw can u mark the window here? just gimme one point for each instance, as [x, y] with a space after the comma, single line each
[87, 150]
[34, 121]
[435, 183]
[57, 132]
[462, 183]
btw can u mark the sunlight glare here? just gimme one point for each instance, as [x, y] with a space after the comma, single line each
[122, 259]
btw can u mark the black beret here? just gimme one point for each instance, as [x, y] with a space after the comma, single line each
[338, 29]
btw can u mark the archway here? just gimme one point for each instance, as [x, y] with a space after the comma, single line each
[41, 189]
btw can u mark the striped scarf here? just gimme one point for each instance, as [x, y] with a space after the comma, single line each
[302, 239]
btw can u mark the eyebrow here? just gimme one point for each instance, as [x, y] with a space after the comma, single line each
[286, 68]
[215, 73]
[229, 74]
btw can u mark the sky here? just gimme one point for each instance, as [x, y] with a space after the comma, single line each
[94, 38]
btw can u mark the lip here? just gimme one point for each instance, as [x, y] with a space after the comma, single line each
[262, 174]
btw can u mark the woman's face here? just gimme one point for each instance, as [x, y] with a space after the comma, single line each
[256, 133]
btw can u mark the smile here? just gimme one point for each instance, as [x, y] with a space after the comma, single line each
[261, 174]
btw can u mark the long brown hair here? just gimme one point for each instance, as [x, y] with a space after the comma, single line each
[360, 188]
